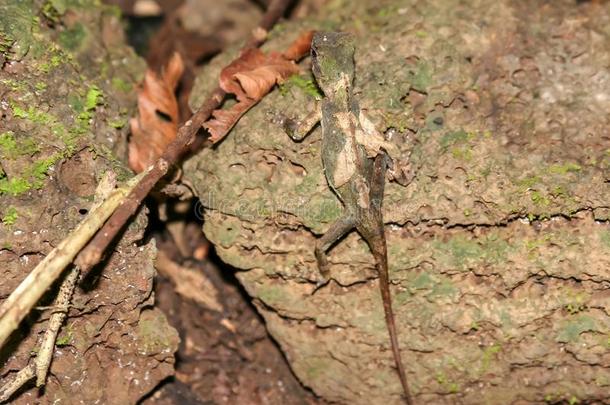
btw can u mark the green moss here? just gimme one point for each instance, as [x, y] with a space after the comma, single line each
[463, 153]
[40, 86]
[575, 301]
[16, 28]
[14, 85]
[10, 216]
[53, 57]
[112, 10]
[121, 85]
[14, 186]
[38, 171]
[32, 177]
[387, 11]
[118, 123]
[66, 338]
[322, 210]
[93, 98]
[32, 114]
[5, 43]
[400, 121]
[534, 244]
[402, 298]
[573, 400]
[72, 38]
[308, 185]
[488, 355]
[571, 329]
[565, 168]
[57, 128]
[462, 252]
[450, 386]
[444, 288]
[528, 182]
[422, 281]
[559, 192]
[328, 66]
[54, 9]
[304, 83]
[539, 199]
[77, 103]
[437, 285]
[8, 144]
[453, 138]
[435, 121]
[84, 109]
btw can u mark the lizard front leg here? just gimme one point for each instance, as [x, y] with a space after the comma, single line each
[337, 230]
[297, 130]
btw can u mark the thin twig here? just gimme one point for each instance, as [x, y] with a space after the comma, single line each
[62, 304]
[93, 252]
[40, 366]
[24, 375]
[27, 294]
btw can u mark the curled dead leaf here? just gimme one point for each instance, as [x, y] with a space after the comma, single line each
[157, 122]
[250, 77]
[224, 120]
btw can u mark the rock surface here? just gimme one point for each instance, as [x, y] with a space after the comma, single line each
[499, 247]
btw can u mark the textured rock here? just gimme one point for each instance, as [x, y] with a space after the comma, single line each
[498, 249]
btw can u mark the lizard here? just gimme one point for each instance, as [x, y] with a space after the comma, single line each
[355, 157]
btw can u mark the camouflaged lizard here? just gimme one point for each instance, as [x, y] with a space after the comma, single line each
[355, 157]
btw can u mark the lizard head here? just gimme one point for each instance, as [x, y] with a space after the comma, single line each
[332, 56]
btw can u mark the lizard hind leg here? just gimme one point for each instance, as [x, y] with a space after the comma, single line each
[337, 230]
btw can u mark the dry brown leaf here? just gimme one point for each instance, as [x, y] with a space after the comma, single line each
[258, 82]
[224, 120]
[157, 122]
[250, 78]
[300, 47]
[189, 283]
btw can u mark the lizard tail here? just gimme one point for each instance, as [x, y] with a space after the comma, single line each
[384, 284]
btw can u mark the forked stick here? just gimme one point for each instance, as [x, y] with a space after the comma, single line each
[27, 294]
